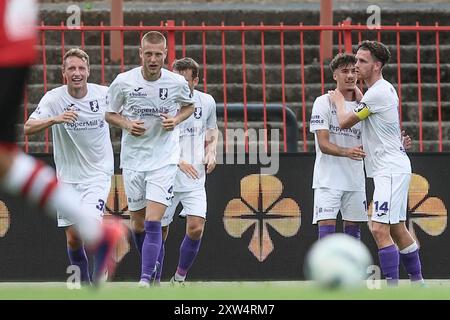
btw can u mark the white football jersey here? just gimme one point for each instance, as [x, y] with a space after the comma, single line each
[339, 173]
[138, 99]
[192, 140]
[381, 134]
[82, 150]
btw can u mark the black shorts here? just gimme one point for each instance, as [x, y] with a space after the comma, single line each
[12, 85]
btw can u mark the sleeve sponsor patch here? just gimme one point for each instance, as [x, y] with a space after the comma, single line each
[362, 111]
[316, 119]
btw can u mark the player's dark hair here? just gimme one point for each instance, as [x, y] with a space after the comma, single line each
[377, 49]
[75, 52]
[153, 37]
[186, 64]
[342, 60]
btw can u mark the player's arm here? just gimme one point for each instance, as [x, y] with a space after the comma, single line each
[347, 119]
[33, 126]
[134, 127]
[169, 123]
[406, 140]
[45, 116]
[188, 169]
[327, 147]
[115, 100]
[212, 136]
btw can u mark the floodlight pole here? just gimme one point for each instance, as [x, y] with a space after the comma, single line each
[326, 19]
[116, 20]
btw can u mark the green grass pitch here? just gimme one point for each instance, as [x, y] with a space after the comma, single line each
[264, 290]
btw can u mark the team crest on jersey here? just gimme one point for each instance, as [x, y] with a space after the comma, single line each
[198, 112]
[163, 93]
[94, 105]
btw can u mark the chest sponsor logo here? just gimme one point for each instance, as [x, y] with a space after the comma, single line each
[71, 107]
[138, 93]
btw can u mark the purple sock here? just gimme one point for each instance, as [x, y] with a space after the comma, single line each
[412, 264]
[79, 258]
[326, 230]
[353, 230]
[389, 262]
[138, 240]
[161, 262]
[150, 248]
[188, 252]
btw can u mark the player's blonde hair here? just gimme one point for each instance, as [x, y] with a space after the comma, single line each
[75, 52]
[153, 37]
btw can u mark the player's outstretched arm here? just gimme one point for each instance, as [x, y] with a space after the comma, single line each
[327, 147]
[33, 126]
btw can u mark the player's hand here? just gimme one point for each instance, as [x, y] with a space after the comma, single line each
[358, 94]
[66, 117]
[336, 97]
[356, 153]
[169, 123]
[188, 169]
[210, 161]
[406, 140]
[136, 127]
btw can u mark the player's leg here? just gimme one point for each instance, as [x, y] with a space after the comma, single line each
[137, 219]
[194, 205]
[159, 193]
[354, 211]
[409, 250]
[77, 253]
[382, 219]
[326, 207]
[134, 184]
[165, 222]
[162, 253]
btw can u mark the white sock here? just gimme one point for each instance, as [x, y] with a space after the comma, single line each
[411, 248]
[36, 183]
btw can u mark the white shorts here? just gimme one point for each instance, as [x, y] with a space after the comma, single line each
[328, 202]
[155, 185]
[94, 195]
[193, 202]
[390, 198]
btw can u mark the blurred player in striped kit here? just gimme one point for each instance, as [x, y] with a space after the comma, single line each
[20, 174]
[386, 161]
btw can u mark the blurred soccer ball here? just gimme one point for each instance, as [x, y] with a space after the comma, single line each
[338, 261]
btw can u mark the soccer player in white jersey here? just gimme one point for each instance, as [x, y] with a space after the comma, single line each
[144, 102]
[198, 142]
[81, 144]
[338, 180]
[386, 161]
